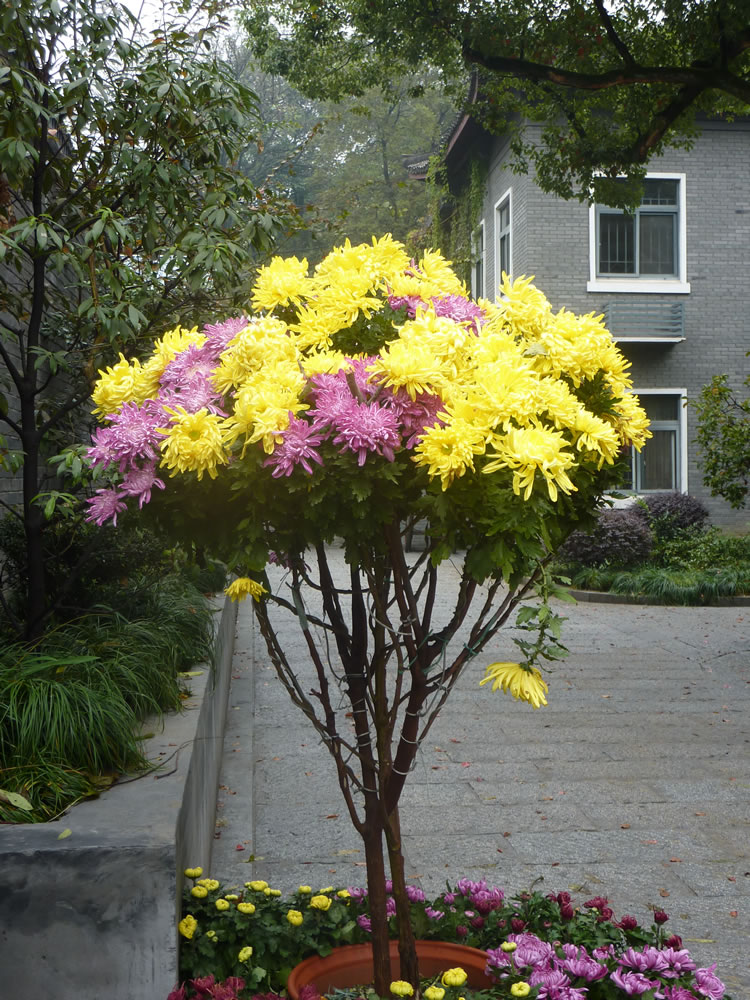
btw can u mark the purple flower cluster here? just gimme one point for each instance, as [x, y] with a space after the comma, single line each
[206, 988]
[455, 307]
[357, 415]
[635, 972]
[131, 439]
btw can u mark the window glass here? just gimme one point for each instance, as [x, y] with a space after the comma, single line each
[616, 243]
[656, 464]
[656, 246]
[644, 244]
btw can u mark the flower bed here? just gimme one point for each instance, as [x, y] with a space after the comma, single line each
[547, 947]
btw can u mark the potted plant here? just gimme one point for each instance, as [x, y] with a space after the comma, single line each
[350, 404]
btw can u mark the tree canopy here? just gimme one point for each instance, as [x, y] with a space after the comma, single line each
[724, 440]
[122, 211]
[611, 83]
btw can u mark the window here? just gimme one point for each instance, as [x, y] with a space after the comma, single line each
[503, 239]
[645, 251]
[477, 262]
[662, 462]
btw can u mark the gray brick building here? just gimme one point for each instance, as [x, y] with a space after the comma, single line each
[671, 280]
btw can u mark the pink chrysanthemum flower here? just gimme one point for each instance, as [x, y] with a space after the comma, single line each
[648, 960]
[679, 962]
[633, 984]
[414, 415]
[584, 967]
[105, 506]
[366, 429]
[194, 362]
[218, 335]
[140, 482]
[131, 436]
[298, 447]
[412, 303]
[708, 983]
[459, 309]
[198, 394]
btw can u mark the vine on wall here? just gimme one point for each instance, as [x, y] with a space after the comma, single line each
[454, 211]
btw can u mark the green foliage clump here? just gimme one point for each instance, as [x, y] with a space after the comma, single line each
[724, 439]
[70, 704]
[670, 515]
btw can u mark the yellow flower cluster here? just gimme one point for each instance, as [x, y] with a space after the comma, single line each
[507, 385]
[244, 587]
[454, 977]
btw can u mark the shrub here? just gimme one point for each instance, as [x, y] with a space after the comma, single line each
[621, 537]
[671, 514]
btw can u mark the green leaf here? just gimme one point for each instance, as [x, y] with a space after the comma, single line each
[14, 799]
[66, 833]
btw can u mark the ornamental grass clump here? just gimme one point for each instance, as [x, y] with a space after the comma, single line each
[350, 403]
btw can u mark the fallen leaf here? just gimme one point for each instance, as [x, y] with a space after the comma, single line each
[66, 833]
[700, 814]
[676, 860]
[733, 913]
[649, 841]
[332, 816]
[239, 847]
[731, 878]
[624, 826]
[14, 799]
[507, 834]
[663, 893]
[555, 864]
[455, 741]
[499, 850]
[466, 763]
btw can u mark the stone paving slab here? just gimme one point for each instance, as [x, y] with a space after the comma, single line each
[642, 756]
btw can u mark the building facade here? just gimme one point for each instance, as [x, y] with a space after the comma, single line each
[671, 280]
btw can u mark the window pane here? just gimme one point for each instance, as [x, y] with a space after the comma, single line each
[504, 253]
[504, 214]
[656, 246]
[657, 462]
[661, 407]
[616, 253]
[659, 192]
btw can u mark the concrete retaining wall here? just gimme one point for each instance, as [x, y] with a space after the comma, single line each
[94, 915]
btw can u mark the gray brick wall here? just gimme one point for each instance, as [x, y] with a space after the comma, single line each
[551, 242]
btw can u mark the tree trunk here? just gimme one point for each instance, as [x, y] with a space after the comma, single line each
[33, 519]
[373, 838]
[407, 949]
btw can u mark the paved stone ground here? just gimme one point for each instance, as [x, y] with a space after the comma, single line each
[633, 783]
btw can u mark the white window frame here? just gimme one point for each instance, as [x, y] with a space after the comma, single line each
[507, 196]
[478, 255]
[678, 285]
[682, 432]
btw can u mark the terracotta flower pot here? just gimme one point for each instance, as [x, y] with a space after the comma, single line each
[351, 965]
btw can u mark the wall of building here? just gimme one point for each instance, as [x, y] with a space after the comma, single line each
[550, 240]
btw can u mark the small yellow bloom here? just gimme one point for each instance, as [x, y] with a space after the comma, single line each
[274, 892]
[210, 883]
[231, 896]
[305, 889]
[193, 872]
[434, 993]
[520, 989]
[328, 888]
[400, 988]
[211, 935]
[320, 902]
[525, 684]
[247, 908]
[294, 917]
[199, 891]
[257, 885]
[453, 977]
[344, 894]
[508, 946]
[187, 926]
[222, 904]
[245, 954]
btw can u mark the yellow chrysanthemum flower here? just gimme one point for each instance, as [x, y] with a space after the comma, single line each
[434, 993]
[188, 926]
[209, 883]
[449, 451]
[193, 872]
[199, 891]
[454, 977]
[193, 442]
[263, 342]
[532, 449]
[320, 902]
[400, 988]
[438, 271]
[244, 587]
[294, 917]
[222, 904]
[257, 885]
[245, 954]
[525, 684]
[117, 384]
[247, 908]
[305, 890]
[520, 989]
[282, 282]
[412, 366]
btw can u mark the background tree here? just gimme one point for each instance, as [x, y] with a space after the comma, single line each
[724, 439]
[612, 83]
[342, 164]
[122, 211]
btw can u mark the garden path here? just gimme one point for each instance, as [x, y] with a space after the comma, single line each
[633, 783]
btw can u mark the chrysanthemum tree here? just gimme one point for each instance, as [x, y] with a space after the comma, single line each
[352, 403]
